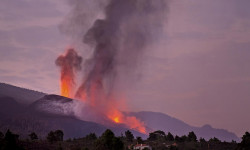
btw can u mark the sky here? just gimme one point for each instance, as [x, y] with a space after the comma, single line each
[198, 71]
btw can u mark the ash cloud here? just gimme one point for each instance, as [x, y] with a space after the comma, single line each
[71, 60]
[118, 39]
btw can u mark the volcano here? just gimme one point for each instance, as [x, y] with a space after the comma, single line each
[46, 114]
[52, 112]
[117, 39]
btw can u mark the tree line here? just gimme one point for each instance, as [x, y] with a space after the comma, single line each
[157, 140]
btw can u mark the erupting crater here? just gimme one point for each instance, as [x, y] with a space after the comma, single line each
[95, 95]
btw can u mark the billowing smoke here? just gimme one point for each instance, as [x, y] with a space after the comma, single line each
[69, 64]
[119, 36]
[119, 39]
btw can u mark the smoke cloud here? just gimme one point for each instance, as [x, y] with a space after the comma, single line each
[118, 36]
[119, 39]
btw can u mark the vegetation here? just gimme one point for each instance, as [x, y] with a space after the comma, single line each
[55, 136]
[245, 143]
[33, 136]
[129, 136]
[108, 141]
[9, 141]
[157, 140]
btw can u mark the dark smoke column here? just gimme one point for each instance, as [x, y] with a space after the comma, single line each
[69, 64]
[129, 26]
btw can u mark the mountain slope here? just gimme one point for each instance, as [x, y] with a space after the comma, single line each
[51, 112]
[46, 115]
[21, 95]
[160, 121]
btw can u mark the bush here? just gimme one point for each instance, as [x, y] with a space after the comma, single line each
[129, 136]
[33, 136]
[169, 137]
[10, 141]
[108, 141]
[55, 136]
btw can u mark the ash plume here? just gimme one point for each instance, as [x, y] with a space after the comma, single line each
[69, 64]
[118, 36]
[120, 39]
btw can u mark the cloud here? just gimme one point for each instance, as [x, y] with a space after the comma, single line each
[16, 14]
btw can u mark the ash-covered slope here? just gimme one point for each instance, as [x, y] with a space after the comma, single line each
[46, 114]
[25, 119]
[53, 104]
[160, 121]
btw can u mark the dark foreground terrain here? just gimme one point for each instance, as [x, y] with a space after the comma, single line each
[157, 140]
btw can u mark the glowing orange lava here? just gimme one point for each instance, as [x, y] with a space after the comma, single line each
[116, 120]
[69, 64]
[132, 122]
[66, 88]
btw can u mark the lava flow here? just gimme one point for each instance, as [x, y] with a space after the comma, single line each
[131, 121]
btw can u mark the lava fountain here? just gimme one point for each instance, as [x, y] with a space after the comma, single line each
[69, 64]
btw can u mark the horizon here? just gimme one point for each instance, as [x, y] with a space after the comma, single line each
[196, 71]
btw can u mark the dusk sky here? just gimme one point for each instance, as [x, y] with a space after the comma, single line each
[198, 70]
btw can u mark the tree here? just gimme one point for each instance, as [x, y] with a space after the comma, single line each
[245, 143]
[177, 138]
[91, 136]
[108, 141]
[233, 142]
[160, 133]
[107, 138]
[55, 136]
[139, 140]
[192, 136]
[10, 137]
[10, 141]
[183, 138]
[214, 140]
[152, 136]
[246, 138]
[1, 138]
[51, 137]
[202, 140]
[59, 135]
[156, 135]
[117, 144]
[169, 137]
[33, 136]
[129, 136]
